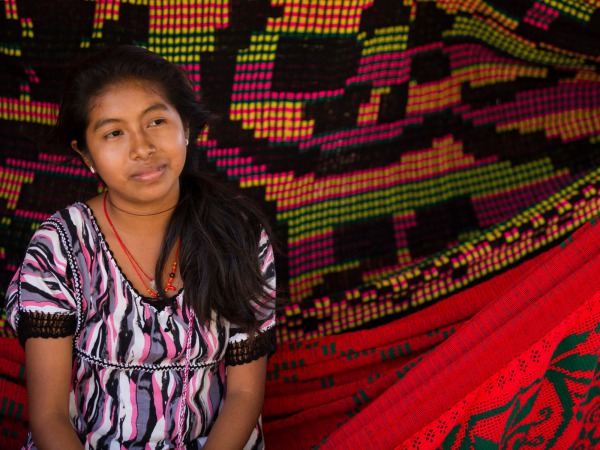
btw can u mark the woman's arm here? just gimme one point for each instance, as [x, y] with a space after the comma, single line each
[48, 365]
[242, 407]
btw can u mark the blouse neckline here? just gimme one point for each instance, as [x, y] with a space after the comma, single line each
[158, 304]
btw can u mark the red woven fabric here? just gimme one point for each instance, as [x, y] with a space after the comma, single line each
[545, 397]
[489, 351]
[13, 407]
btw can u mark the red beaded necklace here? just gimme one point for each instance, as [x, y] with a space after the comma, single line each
[136, 266]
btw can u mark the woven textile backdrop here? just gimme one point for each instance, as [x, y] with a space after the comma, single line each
[421, 162]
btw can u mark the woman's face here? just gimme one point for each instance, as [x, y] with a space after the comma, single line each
[137, 143]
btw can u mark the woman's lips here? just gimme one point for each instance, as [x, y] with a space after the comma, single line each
[149, 174]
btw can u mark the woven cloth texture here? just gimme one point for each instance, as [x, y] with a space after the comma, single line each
[421, 162]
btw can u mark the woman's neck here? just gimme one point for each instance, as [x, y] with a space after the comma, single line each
[131, 213]
[141, 222]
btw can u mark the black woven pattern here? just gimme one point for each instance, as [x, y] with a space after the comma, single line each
[45, 325]
[246, 351]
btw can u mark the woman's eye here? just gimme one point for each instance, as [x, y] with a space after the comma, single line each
[112, 134]
[157, 122]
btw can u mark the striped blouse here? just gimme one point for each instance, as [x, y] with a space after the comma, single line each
[145, 374]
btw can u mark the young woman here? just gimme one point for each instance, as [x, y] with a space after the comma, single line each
[146, 313]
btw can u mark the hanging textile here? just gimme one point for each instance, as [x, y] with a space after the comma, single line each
[431, 169]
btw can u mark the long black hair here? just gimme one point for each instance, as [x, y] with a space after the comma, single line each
[219, 228]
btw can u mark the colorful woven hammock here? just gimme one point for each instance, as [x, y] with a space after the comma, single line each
[432, 170]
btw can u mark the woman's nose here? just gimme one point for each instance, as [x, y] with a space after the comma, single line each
[141, 145]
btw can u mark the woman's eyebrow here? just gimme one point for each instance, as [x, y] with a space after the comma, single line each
[155, 107]
[102, 122]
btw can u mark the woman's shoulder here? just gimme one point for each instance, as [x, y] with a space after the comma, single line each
[77, 214]
[71, 223]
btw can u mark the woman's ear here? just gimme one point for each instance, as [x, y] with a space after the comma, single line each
[84, 157]
[75, 147]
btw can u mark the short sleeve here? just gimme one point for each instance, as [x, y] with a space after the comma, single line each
[241, 349]
[40, 298]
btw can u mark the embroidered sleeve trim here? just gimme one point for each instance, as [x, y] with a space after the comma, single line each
[243, 352]
[33, 324]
